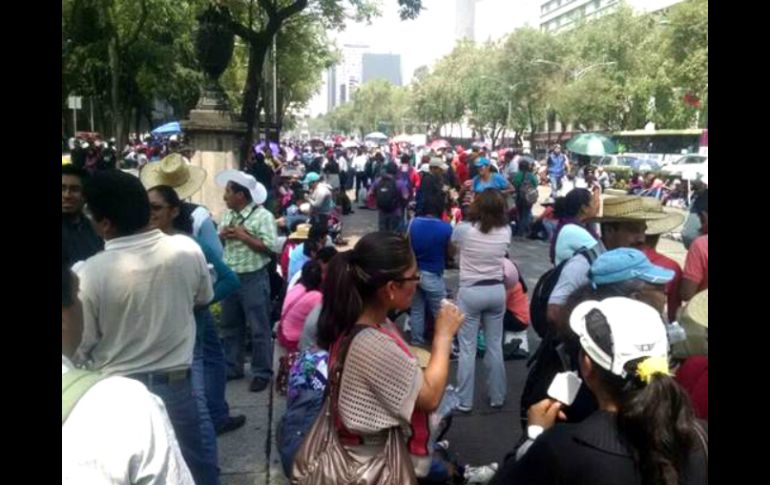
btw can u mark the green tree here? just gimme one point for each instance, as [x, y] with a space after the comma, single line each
[686, 42]
[256, 22]
[529, 61]
[129, 53]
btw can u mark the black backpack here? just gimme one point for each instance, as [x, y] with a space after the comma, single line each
[538, 304]
[387, 195]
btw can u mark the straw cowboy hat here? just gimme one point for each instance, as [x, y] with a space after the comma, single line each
[257, 190]
[626, 208]
[302, 232]
[655, 227]
[175, 172]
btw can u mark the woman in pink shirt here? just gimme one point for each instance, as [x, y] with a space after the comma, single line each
[299, 302]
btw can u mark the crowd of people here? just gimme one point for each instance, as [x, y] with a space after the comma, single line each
[365, 397]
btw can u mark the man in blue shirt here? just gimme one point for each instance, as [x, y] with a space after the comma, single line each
[557, 167]
[430, 238]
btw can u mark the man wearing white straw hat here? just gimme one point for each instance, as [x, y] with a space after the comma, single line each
[655, 229]
[249, 233]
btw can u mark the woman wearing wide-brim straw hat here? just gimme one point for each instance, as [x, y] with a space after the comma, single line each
[175, 172]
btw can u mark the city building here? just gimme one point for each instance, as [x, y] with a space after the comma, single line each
[561, 15]
[381, 66]
[343, 78]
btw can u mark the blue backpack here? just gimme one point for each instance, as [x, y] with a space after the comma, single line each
[296, 423]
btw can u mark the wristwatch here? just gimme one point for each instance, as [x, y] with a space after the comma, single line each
[533, 431]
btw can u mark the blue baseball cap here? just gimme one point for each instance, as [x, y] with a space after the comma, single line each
[483, 162]
[310, 178]
[627, 264]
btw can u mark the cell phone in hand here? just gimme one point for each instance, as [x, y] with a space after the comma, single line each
[565, 387]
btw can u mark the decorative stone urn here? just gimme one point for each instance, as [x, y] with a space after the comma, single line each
[214, 43]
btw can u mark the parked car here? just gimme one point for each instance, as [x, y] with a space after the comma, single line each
[689, 167]
[635, 164]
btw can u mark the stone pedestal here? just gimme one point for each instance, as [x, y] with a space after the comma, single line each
[216, 137]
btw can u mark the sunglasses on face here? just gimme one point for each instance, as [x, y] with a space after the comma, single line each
[415, 277]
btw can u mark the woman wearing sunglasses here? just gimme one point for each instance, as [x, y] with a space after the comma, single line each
[382, 385]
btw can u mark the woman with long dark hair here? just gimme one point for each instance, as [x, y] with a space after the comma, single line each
[644, 432]
[577, 207]
[381, 385]
[483, 242]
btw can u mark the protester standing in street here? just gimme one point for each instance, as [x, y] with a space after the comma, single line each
[430, 238]
[248, 231]
[138, 299]
[482, 242]
[81, 237]
[147, 451]
[558, 167]
[524, 182]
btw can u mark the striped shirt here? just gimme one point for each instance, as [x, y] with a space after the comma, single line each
[258, 222]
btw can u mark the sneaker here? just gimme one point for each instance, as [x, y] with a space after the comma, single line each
[232, 423]
[480, 474]
[464, 409]
[442, 445]
[234, 377]
[497, 405]
[259, 384]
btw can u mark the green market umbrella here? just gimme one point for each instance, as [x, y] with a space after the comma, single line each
[591, 144]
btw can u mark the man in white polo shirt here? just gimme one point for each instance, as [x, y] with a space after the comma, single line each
[113, 429]
[138, 297]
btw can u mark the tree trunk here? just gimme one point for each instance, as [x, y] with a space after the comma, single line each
[138, 121]
[249, 113]
[531, 128]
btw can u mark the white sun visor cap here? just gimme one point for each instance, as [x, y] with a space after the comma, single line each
[637, 331]
[257, 190]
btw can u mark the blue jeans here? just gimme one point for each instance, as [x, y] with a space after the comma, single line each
[432, 289]
[556, 181]
[481, 305]
[550, 229]
[389, 221]
[249, 305]
[183, 412]
[214, 370]
[208, 434]
[525, 220]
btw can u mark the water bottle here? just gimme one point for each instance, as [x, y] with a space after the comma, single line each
[676, 333]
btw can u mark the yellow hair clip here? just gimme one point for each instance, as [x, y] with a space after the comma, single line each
[650, 366]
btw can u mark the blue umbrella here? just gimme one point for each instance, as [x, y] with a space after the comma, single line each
[168, 129]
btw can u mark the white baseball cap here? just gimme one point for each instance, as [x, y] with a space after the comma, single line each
[636, 330]
[257, 190]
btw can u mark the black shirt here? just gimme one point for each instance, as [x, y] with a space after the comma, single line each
[591, 453]
[79, 238]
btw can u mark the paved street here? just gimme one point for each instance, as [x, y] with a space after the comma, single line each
[486, 435]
